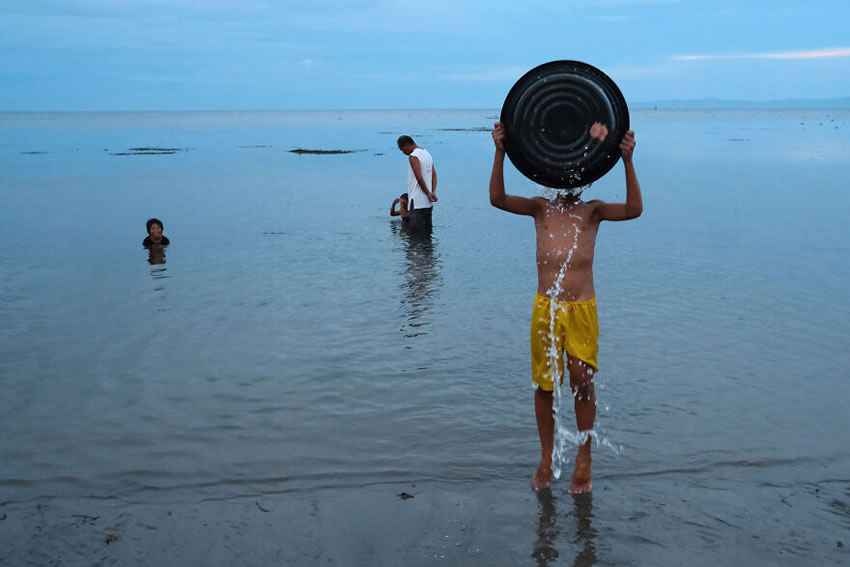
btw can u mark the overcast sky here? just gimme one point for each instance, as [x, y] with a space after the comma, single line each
[264, 54]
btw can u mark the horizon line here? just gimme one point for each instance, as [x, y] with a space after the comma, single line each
[650, 102]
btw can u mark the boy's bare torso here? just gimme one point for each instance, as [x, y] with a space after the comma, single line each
[566, 238]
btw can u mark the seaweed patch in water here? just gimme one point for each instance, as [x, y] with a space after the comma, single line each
[148, 152]
[323, 152]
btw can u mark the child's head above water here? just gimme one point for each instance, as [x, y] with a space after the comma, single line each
[151, 223]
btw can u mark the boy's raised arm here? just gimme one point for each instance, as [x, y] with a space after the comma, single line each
[498, 198]
[633, 207]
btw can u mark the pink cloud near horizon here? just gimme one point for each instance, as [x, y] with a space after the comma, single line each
[812, 54]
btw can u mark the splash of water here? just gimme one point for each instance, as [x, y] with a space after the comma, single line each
[565, 437]
[554, 194]
[554, 293]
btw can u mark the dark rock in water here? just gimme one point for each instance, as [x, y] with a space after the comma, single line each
[85, 519]
[142, 153]
[148, 152]
[111, 539]
[839, 543]
[405, 496]
[323, 152]
[33, 153]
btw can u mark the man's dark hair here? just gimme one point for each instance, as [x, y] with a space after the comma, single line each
[403, 197]
[404, 141]
[152, 222]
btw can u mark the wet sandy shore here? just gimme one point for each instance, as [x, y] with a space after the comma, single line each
[624, 522]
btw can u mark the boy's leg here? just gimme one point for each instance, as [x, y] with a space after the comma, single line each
[546, 428]
[581, 385]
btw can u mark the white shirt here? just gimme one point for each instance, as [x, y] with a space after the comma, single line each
[414, 192]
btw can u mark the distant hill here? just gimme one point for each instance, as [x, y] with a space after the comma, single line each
[725, 103]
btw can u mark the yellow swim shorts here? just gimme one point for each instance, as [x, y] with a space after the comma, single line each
[575, 329]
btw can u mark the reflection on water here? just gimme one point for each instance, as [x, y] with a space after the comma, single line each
[156, 255]
[548, 530]
[156, 258]
[422, 278]
[585, 533]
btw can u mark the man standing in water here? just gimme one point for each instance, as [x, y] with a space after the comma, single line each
[421, 184]
[565, 305]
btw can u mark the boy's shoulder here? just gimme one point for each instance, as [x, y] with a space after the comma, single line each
[577, 205]
[594, 204]
[586, 210]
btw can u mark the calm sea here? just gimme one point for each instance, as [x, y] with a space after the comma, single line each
[296, 341]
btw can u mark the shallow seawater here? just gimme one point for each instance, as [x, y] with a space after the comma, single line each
[294, 341]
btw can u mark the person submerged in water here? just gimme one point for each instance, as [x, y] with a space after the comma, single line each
[566, 234]
[401, 201]
[155, 237]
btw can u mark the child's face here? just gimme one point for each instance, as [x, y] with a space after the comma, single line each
[156, 232]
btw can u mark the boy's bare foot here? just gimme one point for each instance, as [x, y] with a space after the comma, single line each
[542, 478]
[582, 477]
